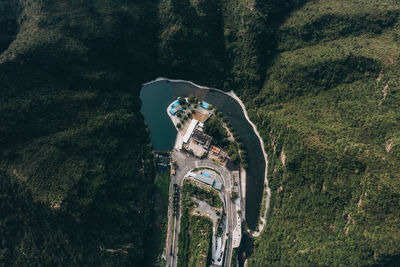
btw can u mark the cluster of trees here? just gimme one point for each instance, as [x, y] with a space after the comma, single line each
[200, 241]
[195, 231]
[327, 126]
[8, 23]
[306, 30]
[250, 41]
[192, 41]
[176, 199]
[213, 127]
[188, 109]
[184, 237]
[210, 196]
[160, 221]
[77, 173]
[222, 43]
[76, 169]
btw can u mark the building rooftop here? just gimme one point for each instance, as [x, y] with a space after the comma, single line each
[205, 179]
[202, 138]
[189, 131]
[218, 186]
[215, 150]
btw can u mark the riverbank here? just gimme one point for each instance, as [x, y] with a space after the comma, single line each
[179, 81]
[267, 190]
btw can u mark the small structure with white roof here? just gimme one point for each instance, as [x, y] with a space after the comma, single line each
[189, 131]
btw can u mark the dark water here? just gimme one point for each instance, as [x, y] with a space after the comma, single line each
[155, 99]
[246, 248]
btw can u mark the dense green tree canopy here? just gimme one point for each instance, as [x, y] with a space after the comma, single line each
[319, 78]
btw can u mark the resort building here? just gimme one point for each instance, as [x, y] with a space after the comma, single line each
[215, 150]
[189, 131]
[202, 138]
[217, 185]
[206, 179]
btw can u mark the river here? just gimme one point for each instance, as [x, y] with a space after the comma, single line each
[158, 95]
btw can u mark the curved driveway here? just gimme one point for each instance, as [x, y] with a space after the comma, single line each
[187, 163]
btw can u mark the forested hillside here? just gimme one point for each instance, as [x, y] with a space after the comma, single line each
[319, 78]
[329, 115]
[75, 163]
[321, 83]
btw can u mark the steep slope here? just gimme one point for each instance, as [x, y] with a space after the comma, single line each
[191, 41]
[220, 43]
[322, 85]
[328, 113]
[76, 170]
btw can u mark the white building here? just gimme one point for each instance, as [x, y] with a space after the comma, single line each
[189, 131]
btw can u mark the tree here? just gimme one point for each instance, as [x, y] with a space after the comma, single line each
[210, 107]
[234, 157]
[191, 98]
[181, 101]
[234, 195]
[240, 144]
[204, 155]
[179, 125]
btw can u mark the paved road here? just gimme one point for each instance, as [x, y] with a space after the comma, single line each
[187, 163]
